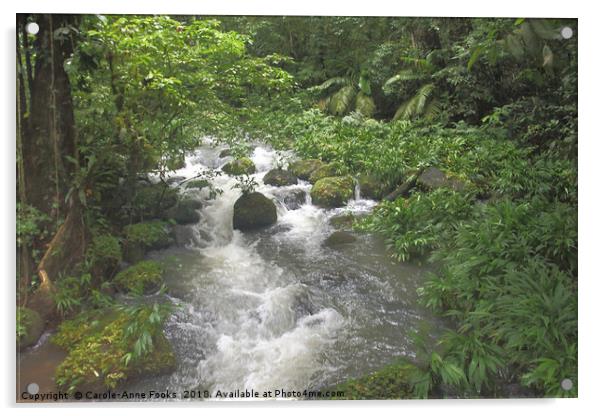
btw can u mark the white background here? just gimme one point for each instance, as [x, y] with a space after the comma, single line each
[590, 111]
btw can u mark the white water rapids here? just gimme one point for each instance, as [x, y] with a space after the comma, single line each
[275, 309]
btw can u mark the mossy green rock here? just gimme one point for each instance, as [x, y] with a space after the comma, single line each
[151, 201]
[144, 236]
[326, 171]
[390, 382]
[339, 238]
[332, 192]
[432, 178]
[225, 153]
[143, 277]
[342, 222]
[29, 327]
[197, 184]
[253, 210]
[279, 177]
[371, 187]
[98, 344]
[304, 168]
[242, 166]
[185, 212]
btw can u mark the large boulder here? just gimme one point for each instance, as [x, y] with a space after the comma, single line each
[29, 327]
[332, 192]
[432, 178]
[185, 212]
[304, 168]
[242, 166]
[294, 199]
[279, 177]
[326, 171]
[253, 210]
[371, 187]
[339, 238]
[225, 153]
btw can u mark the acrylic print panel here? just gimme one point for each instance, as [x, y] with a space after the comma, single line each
[302, 208]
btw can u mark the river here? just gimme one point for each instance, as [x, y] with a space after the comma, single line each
[276, 309]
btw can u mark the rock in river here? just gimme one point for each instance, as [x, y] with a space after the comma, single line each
[253, 210]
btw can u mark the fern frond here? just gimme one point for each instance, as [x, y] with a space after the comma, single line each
[418, 63]
[336, 81]
[402, 76]
[416, 105]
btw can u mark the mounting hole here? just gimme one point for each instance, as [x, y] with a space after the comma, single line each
[566, 384]
[566, 32]
[33, 388]
[32, 28]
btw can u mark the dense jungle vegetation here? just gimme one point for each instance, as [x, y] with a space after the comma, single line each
[491, 104]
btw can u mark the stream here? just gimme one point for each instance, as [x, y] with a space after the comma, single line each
[275, 308]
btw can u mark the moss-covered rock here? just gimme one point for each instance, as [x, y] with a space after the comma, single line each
[326, 171]
[143, 277]
[294, 199]
[185, 212]
[225, 153]
[102, 349]
[253, 210]
[390, 382]
[332, 192]
[197, 184]
[339, 238]
[279, 177]
[371, 187]
[29, 327]
[342, 222]
[242, 166]
[151, 201]
[304, 168]
[104, 255]
[145, 236]
[432, 178]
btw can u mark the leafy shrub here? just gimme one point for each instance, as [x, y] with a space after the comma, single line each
[150, 233]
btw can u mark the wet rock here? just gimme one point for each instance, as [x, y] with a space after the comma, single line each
[175, 179]
[197, 184]
[342, 222]
[433, 178]
[279, 177]
[29, 327]
[371, 187]
[225, 153]
[151, 201]
[294, 199]
[240, 166]
[339, 238]
[185, 212]
[304, 168]
[252, 211]
[326, 171]
[332, 192]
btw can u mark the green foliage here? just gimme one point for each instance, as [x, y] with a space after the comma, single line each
[104, 352]
[30, 223]
[104, 248]
[149, 234]
[420, 223]
[247, 184]
[140, 278]
[390, 382]
[29, 326]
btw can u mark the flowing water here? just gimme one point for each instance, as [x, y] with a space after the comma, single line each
[276, 309]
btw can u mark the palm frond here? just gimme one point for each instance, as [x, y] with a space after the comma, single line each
[335, 81]
[418, 63]
[402, 76]
[416, 105]
[340, 102]
[365, 105]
